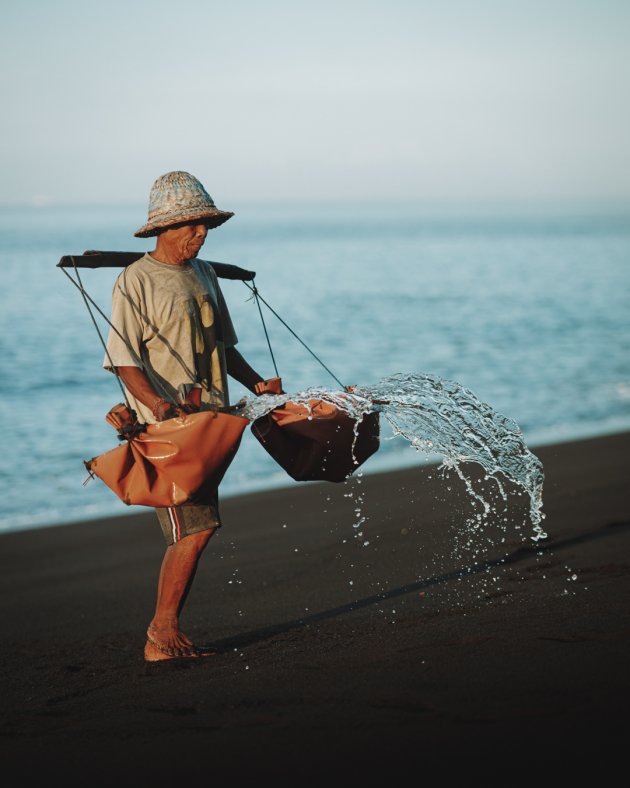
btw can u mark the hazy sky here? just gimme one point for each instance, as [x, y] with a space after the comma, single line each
[449, 99]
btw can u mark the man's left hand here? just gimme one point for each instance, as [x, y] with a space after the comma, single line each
[270, 386]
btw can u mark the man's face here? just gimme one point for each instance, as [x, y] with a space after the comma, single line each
[187, 239]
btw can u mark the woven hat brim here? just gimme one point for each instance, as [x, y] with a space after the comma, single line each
[211, 219]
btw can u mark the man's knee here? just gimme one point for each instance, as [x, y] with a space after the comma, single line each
[195, 542]
[203, 537]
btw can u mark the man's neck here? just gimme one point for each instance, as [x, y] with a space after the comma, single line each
[163, 253]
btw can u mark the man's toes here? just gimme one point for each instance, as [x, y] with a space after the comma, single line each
[206, 651]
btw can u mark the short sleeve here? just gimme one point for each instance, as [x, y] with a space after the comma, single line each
[125, 334]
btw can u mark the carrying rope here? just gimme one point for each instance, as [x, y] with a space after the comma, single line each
[89, 300]
[258, 297]
[86, 300]
[254, 290]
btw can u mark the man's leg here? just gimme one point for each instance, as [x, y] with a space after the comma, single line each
[165, 640]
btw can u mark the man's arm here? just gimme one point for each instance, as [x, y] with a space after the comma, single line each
[138, 384]
[240, 370]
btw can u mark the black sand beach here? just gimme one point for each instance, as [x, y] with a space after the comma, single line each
[413, 657]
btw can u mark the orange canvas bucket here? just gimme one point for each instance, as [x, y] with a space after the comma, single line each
[317, 442]
[167, 463]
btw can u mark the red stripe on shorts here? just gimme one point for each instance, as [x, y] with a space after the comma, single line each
[177, 535]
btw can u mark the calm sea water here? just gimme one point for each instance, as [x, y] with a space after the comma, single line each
[528, 307]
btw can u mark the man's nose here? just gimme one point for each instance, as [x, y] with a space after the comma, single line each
[201, 230]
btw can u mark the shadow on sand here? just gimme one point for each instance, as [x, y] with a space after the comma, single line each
[522, 554]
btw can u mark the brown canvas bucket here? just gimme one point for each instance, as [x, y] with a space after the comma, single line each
[318, 442]
[167, 463]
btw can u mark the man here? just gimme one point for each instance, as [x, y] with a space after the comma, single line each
[173, 347]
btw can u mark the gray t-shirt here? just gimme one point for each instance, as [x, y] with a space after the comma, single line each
[178, 326]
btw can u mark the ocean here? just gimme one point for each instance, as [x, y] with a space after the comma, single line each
[528, 306]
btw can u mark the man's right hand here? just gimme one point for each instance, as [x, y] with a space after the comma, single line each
[139, 385]
[163, 410]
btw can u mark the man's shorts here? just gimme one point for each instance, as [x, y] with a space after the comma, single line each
[180, 521]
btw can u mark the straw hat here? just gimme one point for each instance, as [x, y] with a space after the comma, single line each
[179, 197]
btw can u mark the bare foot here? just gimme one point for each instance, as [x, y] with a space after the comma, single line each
[171, 644]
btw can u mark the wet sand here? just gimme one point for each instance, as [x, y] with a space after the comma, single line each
[415, 657]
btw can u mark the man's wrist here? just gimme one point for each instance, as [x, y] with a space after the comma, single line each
[155, 407]
[161, 408]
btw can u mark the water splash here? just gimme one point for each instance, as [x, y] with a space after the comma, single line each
[439, 416]
[353, 403]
